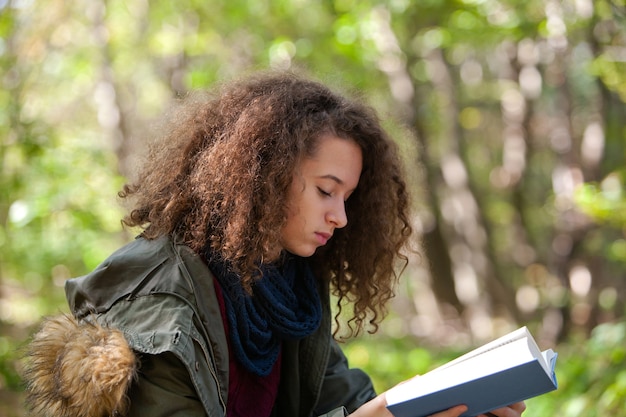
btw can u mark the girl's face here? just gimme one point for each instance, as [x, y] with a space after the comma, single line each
[316, 199]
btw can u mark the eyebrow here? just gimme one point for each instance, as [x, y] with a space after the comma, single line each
[334, 178]
[331, 177]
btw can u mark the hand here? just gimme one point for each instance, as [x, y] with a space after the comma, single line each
[513, 410]
[376, 407]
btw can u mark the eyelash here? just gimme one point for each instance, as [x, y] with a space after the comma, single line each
[324, 193]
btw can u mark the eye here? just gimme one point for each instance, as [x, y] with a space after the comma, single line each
[324, 193]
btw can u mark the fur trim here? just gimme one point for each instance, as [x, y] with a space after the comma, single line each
[78, 369]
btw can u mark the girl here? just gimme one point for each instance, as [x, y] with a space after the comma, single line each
[256, 205]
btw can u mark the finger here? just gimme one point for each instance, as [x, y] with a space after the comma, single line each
[452, 412]
[513, 410]
[520, 406]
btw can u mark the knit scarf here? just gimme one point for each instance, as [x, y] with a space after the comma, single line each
[284, 305]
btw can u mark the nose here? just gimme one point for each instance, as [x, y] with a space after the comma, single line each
[337, 215]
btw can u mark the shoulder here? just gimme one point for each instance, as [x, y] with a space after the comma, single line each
[142, 267]
[154, 291]
[153, 324]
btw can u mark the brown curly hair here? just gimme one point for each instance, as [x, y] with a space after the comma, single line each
[219, 178]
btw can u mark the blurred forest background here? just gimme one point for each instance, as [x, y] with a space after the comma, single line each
[510, 115]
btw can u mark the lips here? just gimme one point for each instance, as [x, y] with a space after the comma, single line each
[322, 237]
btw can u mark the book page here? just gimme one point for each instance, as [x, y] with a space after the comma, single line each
[549, 357]
[512, 353]
[507, 338]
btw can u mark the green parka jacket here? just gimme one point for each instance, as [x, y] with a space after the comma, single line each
[160, 296]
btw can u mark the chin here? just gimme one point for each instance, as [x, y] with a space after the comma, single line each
[302, 252]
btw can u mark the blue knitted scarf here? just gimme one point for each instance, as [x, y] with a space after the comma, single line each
[285, 305]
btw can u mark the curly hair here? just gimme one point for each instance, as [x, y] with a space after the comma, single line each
[219, 178]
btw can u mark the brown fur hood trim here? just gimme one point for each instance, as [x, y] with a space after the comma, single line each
[78, 369]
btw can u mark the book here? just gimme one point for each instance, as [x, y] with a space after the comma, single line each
[507, 370]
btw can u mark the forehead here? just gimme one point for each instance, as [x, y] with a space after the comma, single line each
[334, 156]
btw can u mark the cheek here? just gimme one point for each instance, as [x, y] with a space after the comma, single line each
[292, 223]
[296, 202]
[295, 222]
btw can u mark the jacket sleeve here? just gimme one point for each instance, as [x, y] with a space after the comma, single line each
[163, 388]
[343, 386]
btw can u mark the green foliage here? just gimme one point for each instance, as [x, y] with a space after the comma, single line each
[83, 81]
[591, 375]
[605, 202]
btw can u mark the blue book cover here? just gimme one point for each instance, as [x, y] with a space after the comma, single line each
[505, 371]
